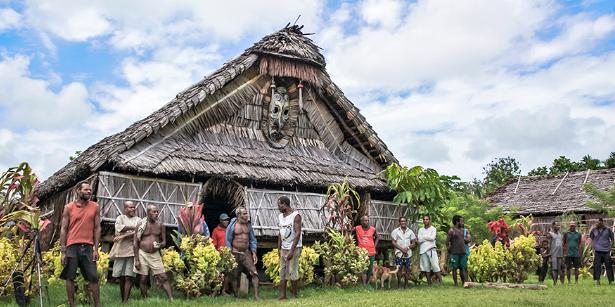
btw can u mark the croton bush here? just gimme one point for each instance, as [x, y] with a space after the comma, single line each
[200, 269]
[492, 263]
[307, 260]
[343, 260]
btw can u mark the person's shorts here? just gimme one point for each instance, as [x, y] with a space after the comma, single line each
[557, 263]
[403, 262]
[573, 262]
[459, 261]
[150, 262]
[289, 269]
[80, 256]
[245, 264]
[430, 262]
[370, 266]
[123, 266]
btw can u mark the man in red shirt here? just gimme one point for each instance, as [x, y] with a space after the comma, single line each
[219, 233]
[79, 237]
[367, 239]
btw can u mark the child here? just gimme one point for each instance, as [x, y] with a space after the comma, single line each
[545, 254]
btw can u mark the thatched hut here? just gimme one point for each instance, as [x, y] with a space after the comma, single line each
[270, 122]
[547, 198]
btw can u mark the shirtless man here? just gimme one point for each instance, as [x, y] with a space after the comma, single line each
[241, 240]
[147, 243]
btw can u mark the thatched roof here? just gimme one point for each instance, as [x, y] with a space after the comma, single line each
[211, 128]
[540, 195]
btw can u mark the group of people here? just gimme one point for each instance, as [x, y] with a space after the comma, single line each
[137, 245]
[564, 252]
[404, 240]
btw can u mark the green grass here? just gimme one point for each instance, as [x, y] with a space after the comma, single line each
[584, 294]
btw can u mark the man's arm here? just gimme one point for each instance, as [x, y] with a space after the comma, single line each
[412, 239]
[96, 232]
[431, 234]
[135, 248]
[297, 229]
[163, 236]
[63, 232]
[228, 237]
[467, 237]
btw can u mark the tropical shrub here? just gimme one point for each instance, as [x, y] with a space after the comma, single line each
[201, 269]
[341, 207]
[487, 263]
[307, 260]
[343, 259]
[52, 268]
[8, 259]
[522, 258]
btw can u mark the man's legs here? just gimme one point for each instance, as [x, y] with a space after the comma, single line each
[283, 273]
[70, 292]
[143, 285]
[122, 280]
[164, 281]
[255, 286]
[127, 287]
[295, 288]
[455, 276]
[609, 267]
[95, 288]
[282, 288]
[562, 269]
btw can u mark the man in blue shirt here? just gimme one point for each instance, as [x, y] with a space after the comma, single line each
[241, 240]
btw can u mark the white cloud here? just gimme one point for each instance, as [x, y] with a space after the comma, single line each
[9, 19]
[580, 34]
[29, 103]
[383, 13]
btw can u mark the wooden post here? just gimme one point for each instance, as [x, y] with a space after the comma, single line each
[496, 285]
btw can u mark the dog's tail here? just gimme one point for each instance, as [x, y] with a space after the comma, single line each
[394, 271]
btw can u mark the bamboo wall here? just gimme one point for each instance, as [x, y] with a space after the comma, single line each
[168, 195]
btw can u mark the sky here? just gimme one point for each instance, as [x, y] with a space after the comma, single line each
[446, 84]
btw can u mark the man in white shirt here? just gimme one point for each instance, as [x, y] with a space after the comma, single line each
[427, 250]
[403, 240]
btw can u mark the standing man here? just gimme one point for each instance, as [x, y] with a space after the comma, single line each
[427, 250]
[289, 246]
[79, 237]
[602, 241]
[557, 252]
[367, 239]
[456, 241]
[148, 241]
[572, 242]
[218, 236]
[403, 240]
[123, 251]
[241, 240]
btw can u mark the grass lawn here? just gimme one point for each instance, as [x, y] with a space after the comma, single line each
[584, 294]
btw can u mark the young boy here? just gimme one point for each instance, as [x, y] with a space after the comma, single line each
[545, 254]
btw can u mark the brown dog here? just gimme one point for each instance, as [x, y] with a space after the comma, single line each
[382, 274]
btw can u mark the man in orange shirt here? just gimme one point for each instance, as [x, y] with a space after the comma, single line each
[219, 233]
[367, 239]
[79, 237]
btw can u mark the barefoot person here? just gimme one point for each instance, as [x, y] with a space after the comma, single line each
[456, 241]
[289, 246]
[367, 239]
[572, 242]
[403, 240]
[149, 239]
[557, 253]
[427, 250]
[241, 240]
[122, 251]
[602, 242]
[79, 237]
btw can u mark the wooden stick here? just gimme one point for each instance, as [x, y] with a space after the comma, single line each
[517, 186]
[560, 183]
[469, 284]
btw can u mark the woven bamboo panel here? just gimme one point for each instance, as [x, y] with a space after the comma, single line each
[168, 195]
[263, 208]
[384, 215]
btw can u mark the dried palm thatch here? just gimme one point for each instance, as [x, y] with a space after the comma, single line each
[214, 129]
[551, 195]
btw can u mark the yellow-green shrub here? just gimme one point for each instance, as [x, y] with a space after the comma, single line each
[201, 269]
[522, 258]
[307, 260]
[489, 263]
[52, 268]
[8, 257]
[344, 261]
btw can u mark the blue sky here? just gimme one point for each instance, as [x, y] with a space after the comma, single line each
[463, 81]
